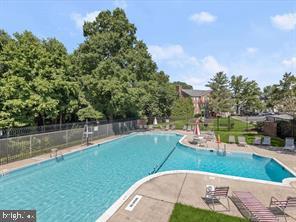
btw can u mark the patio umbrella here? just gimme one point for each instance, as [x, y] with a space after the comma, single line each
[196, 129]
[155, 121]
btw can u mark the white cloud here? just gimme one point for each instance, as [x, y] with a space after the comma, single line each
[120, 3]
[80, 19]
[211, 65]
[203, 17]
[251, 50]
[286, 22]
[289, 62]
[184, 67]
[166, 52]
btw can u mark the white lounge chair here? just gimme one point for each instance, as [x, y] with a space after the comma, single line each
[257, 140]
[289, 144]
[189, 128]
[266, 141]
[241, 141]
[173, 127]
[184, 127]
[140, 126]
[150, 127]
[231, 139]
[167, 127]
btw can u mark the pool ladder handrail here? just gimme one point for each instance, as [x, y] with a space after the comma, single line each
[223, 151]
[157, 167]
[59, 157]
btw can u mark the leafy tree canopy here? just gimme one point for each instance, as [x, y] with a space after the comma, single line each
[184, 85]
[117, 72]
[183, 108]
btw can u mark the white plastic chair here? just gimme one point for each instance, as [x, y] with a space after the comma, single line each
[231, 139]
[266, 141]
[257, 140]
[289, 144]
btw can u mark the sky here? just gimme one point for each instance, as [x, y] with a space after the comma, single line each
[189, 40]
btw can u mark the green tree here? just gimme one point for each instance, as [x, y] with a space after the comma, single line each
[110, 75]
[251, 99]
[183, 108]
[220, 98]
[246, 94]
[238, 85]
[116, 71]
[184, 85]
[285, 93]
[269, 96]
[36, 87]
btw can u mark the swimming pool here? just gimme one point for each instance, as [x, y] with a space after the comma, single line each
[85, 184]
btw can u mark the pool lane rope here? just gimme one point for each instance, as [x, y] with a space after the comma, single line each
[157, 167]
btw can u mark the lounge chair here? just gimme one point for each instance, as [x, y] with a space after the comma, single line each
[194, 141]
[257, 140]
[189, 128]
[231, 139]
[278, 207]
[145, 126]
[150, 127]
[266, 141]
[167, 127]
[184, 127]
[241, 141]
[173, 127]
[289, 144]
[140, 126]
[256, 211]
[215, 194]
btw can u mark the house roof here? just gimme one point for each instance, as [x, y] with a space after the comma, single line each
[196, 93]
[281, 117]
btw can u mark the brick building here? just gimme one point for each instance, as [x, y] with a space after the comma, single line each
[199, 98]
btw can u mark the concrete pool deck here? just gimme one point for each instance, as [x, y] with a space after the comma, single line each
[25, 162]
[161, 193]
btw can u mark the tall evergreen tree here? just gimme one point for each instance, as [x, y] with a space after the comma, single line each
[220, 98]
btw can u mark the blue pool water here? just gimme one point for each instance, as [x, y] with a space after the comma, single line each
[85, 184]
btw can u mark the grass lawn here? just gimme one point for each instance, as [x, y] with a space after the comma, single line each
[183, 213]
[178, 123]
[239, 128]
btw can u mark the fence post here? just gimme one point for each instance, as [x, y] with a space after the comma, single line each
[67, 139]
[30, 145]
[7, 150]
